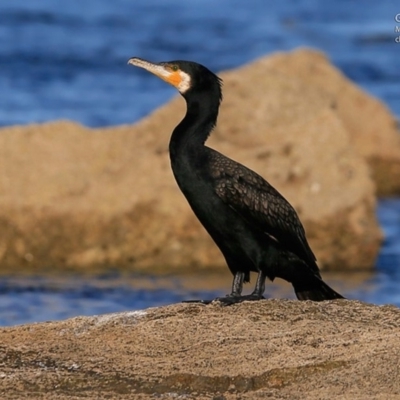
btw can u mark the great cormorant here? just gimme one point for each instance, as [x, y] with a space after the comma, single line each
[253, 225]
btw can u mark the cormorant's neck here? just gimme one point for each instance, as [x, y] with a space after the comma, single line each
[199, 121]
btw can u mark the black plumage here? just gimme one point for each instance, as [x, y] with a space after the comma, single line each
[253, 225]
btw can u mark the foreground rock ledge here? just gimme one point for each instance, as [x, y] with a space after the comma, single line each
[274, 348]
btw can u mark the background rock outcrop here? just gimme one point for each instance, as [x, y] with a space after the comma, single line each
[373, 130]
[267, 349]
[73, 197]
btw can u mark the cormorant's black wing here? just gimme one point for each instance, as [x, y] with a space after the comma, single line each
[255, 200]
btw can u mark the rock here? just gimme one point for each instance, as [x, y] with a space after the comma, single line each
[274, 348]
[373, 130]
[76, 198]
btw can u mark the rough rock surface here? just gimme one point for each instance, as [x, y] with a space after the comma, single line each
[72, 197]
[373, 129]
[269, 349]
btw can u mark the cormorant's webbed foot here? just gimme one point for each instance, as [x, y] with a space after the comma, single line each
[198, 301]
[229, 299]
[236, 295]
[237, 286]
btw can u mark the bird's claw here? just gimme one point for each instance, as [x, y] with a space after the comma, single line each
[228, 300]
[198, 301]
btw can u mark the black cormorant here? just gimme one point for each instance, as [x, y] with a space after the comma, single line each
[253, 225]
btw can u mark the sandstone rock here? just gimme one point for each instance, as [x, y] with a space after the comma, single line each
[269, 349]
[72, 197]
[373, 130]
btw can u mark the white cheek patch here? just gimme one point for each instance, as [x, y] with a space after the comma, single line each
[184, 84]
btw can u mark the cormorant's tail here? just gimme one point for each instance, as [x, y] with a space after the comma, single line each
[318, 290]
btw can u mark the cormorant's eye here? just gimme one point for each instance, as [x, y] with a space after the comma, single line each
[174, 68]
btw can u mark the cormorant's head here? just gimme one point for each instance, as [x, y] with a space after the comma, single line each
[184, 75]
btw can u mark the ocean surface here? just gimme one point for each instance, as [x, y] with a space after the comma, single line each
[69, 61]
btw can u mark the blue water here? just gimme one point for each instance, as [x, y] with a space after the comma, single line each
[36, 299]
[68, 61]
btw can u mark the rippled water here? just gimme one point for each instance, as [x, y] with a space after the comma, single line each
[69, 62]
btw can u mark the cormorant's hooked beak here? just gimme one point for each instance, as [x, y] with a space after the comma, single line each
[169, 72]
